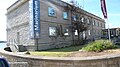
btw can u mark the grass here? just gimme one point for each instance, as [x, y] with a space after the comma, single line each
[51, 54]
[96, 46]
[61, 52]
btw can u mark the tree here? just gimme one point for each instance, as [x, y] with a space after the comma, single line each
[78, 21]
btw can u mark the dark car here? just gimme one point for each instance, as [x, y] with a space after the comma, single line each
[117, 41]
[3, 63]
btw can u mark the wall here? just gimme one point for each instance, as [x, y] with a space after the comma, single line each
[98, 61]
[18, 22]
[47, 21]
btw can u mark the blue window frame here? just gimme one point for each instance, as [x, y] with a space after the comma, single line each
[65, 15]
[51, 11]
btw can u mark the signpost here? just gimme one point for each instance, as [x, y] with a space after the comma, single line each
[34, 9]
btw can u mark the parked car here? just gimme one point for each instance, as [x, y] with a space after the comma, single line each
[3, 63]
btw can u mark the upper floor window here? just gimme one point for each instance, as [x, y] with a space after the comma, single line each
[65, 15]
[104, 25]
[101, 24]
[88, 20]
[98, 24]
[74, 18]
[82, 19]
[51, 11]
[93, 23]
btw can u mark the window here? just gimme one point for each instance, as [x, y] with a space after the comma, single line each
[65, 15]
[82, 19]
[89, 32]
[95, 32]
[98, 24]
[76, 32]
[51, 11]
[101, 24]
[93, 23]
[88, 20]
[74, 18]
[52, 31]
[84, 36]
[99, 32]
[66, 32]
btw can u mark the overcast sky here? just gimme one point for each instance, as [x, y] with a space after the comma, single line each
[92, 6]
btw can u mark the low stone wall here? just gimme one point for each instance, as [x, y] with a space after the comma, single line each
[30, 61]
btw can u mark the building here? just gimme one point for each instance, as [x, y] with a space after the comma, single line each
[46, 24]
[113, 32]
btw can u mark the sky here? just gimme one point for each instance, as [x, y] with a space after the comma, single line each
[4, 4]
[92, 6]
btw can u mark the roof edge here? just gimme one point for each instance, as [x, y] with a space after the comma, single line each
[15, 5]
[12, 4]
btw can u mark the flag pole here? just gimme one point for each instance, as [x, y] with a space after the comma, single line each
[108, 29]
[104, 11]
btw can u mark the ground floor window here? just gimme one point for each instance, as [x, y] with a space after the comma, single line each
[76, 32]
[66, 32]
[84, 36]
[89, 33]
[52, 31]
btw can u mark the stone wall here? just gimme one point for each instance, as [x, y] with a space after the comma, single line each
[18, 22]
[30, 61]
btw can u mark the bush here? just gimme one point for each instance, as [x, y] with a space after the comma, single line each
[99, 45]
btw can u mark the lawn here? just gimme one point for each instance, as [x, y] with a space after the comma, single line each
[61, 52]
[98, 47]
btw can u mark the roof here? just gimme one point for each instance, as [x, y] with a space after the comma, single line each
[113, 28]
[15, 5]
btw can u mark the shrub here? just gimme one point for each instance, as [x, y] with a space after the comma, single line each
[99, 45]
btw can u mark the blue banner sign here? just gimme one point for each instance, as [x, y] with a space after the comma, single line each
[34, 9]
